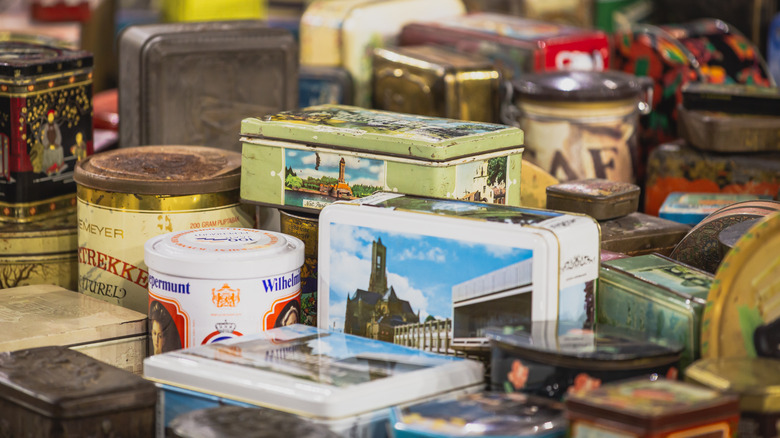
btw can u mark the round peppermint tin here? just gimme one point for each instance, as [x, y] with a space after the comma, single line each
[210, 284]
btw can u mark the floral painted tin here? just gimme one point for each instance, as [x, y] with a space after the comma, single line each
[305, 227]
[557, 360]
[652, 408]
[657, 295]
[60, 392]
[599, 198]
[46, 128]
[757, 383]
[344, 382]
[692, 208]
[437, 82]
[43, 315]
[493, 414]
[304, 160]
[638, 233]
[390, 262]
[244, 421]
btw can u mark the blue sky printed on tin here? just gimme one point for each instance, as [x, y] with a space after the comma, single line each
[358, 170]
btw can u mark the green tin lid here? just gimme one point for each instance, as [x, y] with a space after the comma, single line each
[383, 132]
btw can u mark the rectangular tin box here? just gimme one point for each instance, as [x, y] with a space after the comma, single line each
[323, 85]
[692, 208]
[437, 82]
[307, 159]
[731, 98]
[57, 392]
[599, 198]
[345, 382]
[342, 33]
[638, 234]
[390, 262]
[44, 315]
[193, 83]
[517, 45]
[657, 295]
[46, 103]
[729, 133]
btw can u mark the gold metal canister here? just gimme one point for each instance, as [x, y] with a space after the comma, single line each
[305, 227]
[129, 195]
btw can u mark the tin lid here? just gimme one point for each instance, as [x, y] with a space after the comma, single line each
[314, 373]
[653, 404]
[482, 414]
[731, 235]
[639, 233]
[579, 86]
[755, 380]
[383, 132]
[58, 382]
[161, 170]
[224, 253]
[48, 236]
[19, 60]
[241, 421]
[600, 198]
[674, 277]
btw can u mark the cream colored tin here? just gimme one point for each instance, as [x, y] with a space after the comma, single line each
[129, 195]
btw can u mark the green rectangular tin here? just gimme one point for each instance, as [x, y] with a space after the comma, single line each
[304, 160]
[656, 295]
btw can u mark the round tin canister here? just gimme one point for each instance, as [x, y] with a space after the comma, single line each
[128, 195]
[580, 124]
[305, 227]
[245, 421]
[42, 252]
[212, 284]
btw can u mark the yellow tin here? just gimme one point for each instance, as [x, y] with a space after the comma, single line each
[127, 196]
[533, 185]
[305, 227]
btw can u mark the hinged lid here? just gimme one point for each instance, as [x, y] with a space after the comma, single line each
[61, 383]
[20, 61]
[755, 380]
[383, 132]
[579, 86]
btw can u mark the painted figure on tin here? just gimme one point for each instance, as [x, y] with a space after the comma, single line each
[165, 336]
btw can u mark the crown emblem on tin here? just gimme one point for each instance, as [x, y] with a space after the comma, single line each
[225, 327]
[225, 296]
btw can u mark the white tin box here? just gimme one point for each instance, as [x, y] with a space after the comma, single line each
[345, 382]
[392, 265]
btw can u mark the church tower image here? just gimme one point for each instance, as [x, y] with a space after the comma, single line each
[375, 312]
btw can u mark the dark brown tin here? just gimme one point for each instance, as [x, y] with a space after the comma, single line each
[639, 233]
[599, 198]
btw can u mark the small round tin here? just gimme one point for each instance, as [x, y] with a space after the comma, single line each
[129, 195]
[240, 421]
[212, 284]
[305, 227]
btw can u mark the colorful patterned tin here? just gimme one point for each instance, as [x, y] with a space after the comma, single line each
[345, 382]
[657, 295]
[743, 306]
[390, 262]
[129, 195]
[639, 233]
[45, 128]
[599, 198]
[43, 315]
[305, 227]
[757, 383]
[558, 360]
[652, 408]
[307, 159]
[244, 421]
[692, 208]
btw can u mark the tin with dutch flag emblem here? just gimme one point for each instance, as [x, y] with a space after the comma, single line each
[212, 284]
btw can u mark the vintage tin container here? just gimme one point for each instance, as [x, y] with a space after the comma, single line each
[204, 10]
[599, 198]
[129, 195]
[692, 208]
[305, 227]
[481, 414]
[557, 360]
[308, 159]
[731, 235]
[607, 255]
[238, 421]
[533, 185]
[581, 124]
[59, 392]
[437, 82]
[639, 233]
[39, 252]
[345, 382]
[516, 45]
[571, 12]
[700, 248]
[743, 307]
[211, 284]
[757, 383]
[729, 133]
[192, 83]
[731, 98]
[657, 295]
[342, 33]
[43, 315]
[656, 408]
[677, 167]
[46, 99]
[475, 264]
[323, 85]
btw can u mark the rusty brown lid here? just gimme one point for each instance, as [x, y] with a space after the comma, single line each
[161, 170]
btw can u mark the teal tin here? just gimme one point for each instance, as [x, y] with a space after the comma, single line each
[656, 295]
[692, 208]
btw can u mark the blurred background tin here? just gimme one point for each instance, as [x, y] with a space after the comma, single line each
[638, 233]
[599, 198]
[730, 133]
[244, 421]
[321, 85]
[692, 208]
